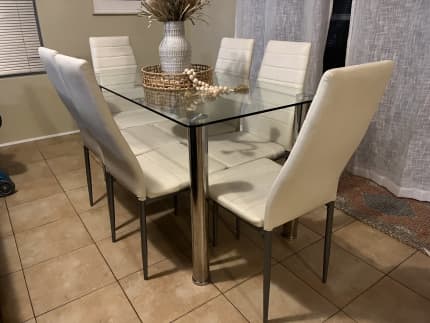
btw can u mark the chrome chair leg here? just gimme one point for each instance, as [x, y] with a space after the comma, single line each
[290, 229]
[267, 273]
[88, 173]
[176, 204]
[111, 203]
[327, 239]
[237, 228]
[143, 239]
[214, 211]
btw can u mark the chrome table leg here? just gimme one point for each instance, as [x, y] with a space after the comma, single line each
[198, 150]
[290, 229]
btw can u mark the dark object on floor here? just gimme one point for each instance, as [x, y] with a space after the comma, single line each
[7, 187]
[407, 220]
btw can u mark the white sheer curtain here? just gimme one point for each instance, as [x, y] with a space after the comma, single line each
[395, 152]
[293, 20]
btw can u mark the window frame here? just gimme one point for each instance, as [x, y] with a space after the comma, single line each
[39, 33]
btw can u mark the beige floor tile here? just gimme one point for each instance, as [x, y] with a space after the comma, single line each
[78, 178]
[283, 247]
[124, 256]
[12, 157]
[348, 275]
[80, 201]
[51, 240]
[316, 219]
[60, 146]
[36, 213]
[14, 301]
[31, 172]
[168, 294]
[98, 224]
[389, 302]
[65, 164]
[415, 273]
[233, 261]
[375, 247]
[218, 310]
[33, 320]
[290, 299]
[5, 226]
[34, 190]
[340, 317]
[104, 305]
[9, 258]
[63, 279]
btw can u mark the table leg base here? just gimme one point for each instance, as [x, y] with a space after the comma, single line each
[200, 283]
[290, 230]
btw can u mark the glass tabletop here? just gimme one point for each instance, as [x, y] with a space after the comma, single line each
[193, 109]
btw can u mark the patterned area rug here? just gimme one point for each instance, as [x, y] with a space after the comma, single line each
[405, 219]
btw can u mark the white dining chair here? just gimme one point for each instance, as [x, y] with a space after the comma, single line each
[149, 176]
[267, 195]
[115, 66]
[235, 57]
[233, 63]
[141, 139]
[47, 57]
[267, 135]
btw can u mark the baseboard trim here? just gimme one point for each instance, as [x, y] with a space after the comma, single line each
[11, 143]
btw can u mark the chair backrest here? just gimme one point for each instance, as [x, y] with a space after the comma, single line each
[110, 54]
[97, 120]
[235, 57]
[47, 56]
[283, 69]
[339, 116]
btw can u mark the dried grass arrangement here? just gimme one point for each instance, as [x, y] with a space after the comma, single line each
[174, 10]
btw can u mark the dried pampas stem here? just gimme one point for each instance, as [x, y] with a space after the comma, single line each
[173, 10]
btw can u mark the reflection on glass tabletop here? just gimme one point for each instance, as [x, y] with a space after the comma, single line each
[192, 108]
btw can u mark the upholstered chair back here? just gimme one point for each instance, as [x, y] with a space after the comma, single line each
[47, 56]
[97, 120]
[282, 71]
[112, 53]
[344, 104]
[235, 57]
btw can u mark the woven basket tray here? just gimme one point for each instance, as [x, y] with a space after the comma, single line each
[153, 78]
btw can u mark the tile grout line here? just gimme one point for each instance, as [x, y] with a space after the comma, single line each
[75, 299]
[195, 308]
[237, 309]
[312, 288]
[340, 311]
[374, 284]
[222, 293]
[97, 247]
[20, 261]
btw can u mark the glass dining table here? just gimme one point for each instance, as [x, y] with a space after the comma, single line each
[196, 111]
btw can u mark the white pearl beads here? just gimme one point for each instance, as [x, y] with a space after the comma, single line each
[204, 87]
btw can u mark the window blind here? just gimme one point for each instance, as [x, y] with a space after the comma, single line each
[19, 38]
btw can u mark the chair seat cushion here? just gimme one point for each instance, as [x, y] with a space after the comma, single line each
[166, 169]
[178, 152]
[135, 118]
[162, 175]
[241, 147]
[179, 131]
[142, 139]
[244, 189]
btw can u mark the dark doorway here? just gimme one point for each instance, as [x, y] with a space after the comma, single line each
[337, 38]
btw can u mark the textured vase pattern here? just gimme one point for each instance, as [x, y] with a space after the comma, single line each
[174, 50]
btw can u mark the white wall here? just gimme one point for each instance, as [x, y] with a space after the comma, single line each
[29, 105]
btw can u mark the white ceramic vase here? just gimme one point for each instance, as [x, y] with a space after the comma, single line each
[174, 50]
